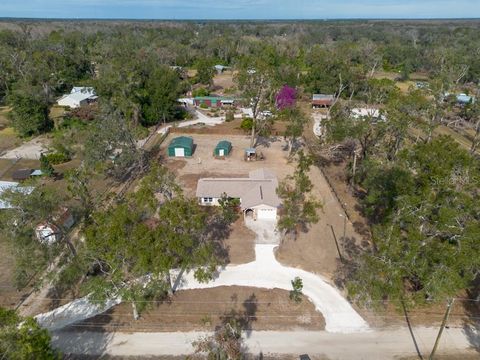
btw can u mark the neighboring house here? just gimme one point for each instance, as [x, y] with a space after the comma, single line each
[223, 148]
[213, 101]
[79, 96]
[322, 100]
[10, 185]
[49, 232]
[257, 193]
[181, 146]
[24, 174]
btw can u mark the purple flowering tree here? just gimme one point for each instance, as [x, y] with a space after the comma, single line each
[286, 98]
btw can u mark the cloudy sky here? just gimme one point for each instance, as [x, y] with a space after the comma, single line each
[240, 9]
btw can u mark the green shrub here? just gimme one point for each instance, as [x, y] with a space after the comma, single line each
[247, 124]
[57, 158]
[229, 116]
[46, 166]
[200, 92]
[203, 106]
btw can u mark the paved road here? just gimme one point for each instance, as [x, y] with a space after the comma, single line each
[386, 344]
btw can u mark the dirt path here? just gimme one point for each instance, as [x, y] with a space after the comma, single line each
[381, 345]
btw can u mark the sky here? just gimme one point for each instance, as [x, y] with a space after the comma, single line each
[240, 9]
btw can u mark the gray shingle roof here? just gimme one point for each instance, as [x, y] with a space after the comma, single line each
[257, 189]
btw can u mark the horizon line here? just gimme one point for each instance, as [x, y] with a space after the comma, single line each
[16, 18]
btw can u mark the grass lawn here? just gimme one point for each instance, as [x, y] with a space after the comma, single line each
[404, 86]
[7, 170]
[3, 116]
[391, 75]
[8, 139]
[444, 130]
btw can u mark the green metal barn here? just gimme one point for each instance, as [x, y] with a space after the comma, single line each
[181, 146]
[223, 148]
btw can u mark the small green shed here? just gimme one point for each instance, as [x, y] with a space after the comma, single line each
[223, 148]
[181, 146]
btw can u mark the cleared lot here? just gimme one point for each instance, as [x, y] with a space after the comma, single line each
[314, 251]
[203, 164]
[254, 308]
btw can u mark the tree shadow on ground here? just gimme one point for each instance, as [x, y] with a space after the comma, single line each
[217, 231]
[410, 329]
[74, 344]
[245, 317]
[265, 141]
[351, 251]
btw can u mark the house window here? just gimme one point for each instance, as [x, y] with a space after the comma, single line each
[207, 199]
[210, 199]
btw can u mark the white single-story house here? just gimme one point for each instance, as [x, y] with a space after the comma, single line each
[11, 185]
[257, 193]
[78, 96]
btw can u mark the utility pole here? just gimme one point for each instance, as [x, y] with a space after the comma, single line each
[444, 323]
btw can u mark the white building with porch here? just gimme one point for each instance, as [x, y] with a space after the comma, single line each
[257, 193]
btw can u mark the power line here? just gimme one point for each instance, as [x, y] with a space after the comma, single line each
[173, 300]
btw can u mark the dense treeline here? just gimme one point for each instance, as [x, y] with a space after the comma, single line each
[56, 55]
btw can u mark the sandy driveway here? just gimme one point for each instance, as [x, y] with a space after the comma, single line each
[267, 272]
[201, 119]
[264, 272]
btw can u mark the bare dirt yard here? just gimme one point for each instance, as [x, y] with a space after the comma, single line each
[222, 82]
[315, 250]
[203, 164]
[188, 310]
[240, 244]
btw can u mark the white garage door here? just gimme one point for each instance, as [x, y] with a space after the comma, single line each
[180, 152]
[270, 214]
[221, 152]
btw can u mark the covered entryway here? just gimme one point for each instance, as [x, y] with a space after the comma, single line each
[249, 213]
